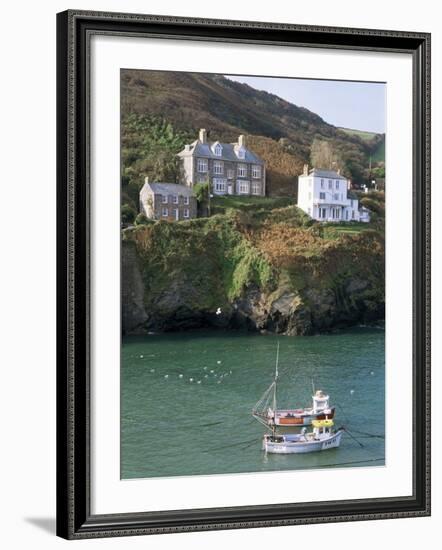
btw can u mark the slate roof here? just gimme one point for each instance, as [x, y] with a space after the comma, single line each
[205, 150]
[330, 174]
[169, 189]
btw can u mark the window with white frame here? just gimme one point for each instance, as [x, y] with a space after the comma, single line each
[337, 184]
[243, 187]
[201, 179]
[346, 214]
[322, 184]
[242, 170]
[218, 150]
[218, 167]
[186, 213]
[330, 184]
[164, 199]
[256, 188]
[165, 212]
[230, 174]
[175, 213]
[256, 171]
[175, 199]
[201, 165]
[186, 200]
[322, 196]
[336, 196]
[219, 185]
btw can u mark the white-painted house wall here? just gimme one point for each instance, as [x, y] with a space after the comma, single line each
[322, 203]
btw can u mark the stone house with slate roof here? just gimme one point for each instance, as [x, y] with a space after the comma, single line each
[325, 195]
[167, 201]
[230, 168]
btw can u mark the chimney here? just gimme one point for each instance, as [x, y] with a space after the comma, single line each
[187, 147]
[242, 140]
[203, 135]
[146, 179]
[339, 172]
[305, 172]
[349, 184]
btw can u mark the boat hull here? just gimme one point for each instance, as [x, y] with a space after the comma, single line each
[299, 446]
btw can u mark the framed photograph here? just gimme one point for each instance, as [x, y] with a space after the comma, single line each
[243, 274]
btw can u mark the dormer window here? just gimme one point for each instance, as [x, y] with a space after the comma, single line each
[218, 150]
[241, 152]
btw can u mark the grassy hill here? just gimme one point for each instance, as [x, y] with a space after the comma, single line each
[177, 104]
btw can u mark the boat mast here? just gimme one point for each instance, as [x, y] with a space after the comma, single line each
[274, 383]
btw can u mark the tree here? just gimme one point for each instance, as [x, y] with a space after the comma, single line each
[324, 155]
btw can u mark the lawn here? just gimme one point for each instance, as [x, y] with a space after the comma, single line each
[219, 204]
[333, 230]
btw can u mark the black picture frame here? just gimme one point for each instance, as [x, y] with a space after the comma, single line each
[74, 518]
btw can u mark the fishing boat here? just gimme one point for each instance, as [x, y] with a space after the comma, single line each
[322, 438]
[266, 411]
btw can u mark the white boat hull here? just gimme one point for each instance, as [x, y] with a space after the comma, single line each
[296, 444]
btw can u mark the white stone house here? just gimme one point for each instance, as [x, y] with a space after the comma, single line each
[325, 196]
[229, 168]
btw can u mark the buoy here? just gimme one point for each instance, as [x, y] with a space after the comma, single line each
[190, 379]
[152, 370]
[166, 376]
[218, 362]
[352, 392]
[211, 372]
[199, 382]
[180, 375]
[141, 356]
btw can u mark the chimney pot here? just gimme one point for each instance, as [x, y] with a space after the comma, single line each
[146, 179]
[242, 140]
[305, 172]
[203, 135]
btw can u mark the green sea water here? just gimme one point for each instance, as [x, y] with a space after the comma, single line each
[186, 399]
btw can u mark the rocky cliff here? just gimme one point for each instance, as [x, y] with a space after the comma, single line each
[253, 272]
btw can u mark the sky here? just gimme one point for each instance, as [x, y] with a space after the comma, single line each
[356, 105]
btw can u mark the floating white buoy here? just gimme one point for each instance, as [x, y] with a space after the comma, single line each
[205, 368]
[372, 372]
[218, 362]
[141, 356]
[230, 371]
[218, 311]
[352, 392]
[152, 370]
[190, 379]
[166, 376]
[211, 372]
[219, 382]
[206, 376]
[180, 375]
[199, 382]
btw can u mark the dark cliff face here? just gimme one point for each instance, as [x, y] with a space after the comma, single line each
[193, 280]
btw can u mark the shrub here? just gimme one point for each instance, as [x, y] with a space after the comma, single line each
[127, 213]
[141, 219]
